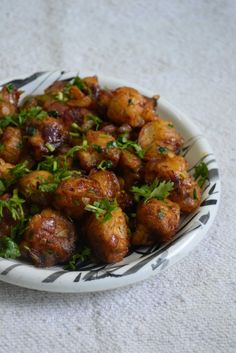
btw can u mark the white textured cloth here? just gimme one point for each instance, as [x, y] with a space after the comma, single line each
[186, 51]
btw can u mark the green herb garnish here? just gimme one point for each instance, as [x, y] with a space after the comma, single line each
[112, 144]
[8, 248]
[30, 130]
[59, 176]
[19, 170]
[95, 119]
[103, 208]
[161, 214]
[97, 148]
[158, 190]
[14, 206]
[80, 257]
[123, 143]
[19, 119]
[2, 187]
[32, 113]
[61, 97]
[50, 163]
[50, 147]
[13, 176]
[195, 194]
[162, 150]
[77, 148]
[77, 81]
[10, 87]
[201, 173]
[103, 165]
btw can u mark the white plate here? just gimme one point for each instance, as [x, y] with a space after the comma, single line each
[146, 262]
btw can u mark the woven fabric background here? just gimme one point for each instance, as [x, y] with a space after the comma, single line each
[185, 50]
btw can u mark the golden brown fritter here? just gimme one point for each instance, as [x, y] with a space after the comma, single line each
[11, 143]
[158, 137]
[30, 186]
[108, 182]
[97, 150]
[157, 221]
[5, 169]
[187, 194]
[9, 97]
[49, 134]
[170, 167]
[73, 194]
[111, 188]
[130, 168]
[50, 239]
[128, 106]
[109, 240]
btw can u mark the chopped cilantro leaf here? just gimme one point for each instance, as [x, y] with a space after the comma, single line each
[77, 81]
[97, 148]
[122, 142]
[102, 208]
[201, 173]
[158, 189]
[14, 206]
[112, 144]
[8, 248]
[103, 165]
[78, 258]
[77, 148]
[50, 147]
[97, 121]
[19, 170]
[2, 187]
[19, 119]
[162, 150]
[10, 87]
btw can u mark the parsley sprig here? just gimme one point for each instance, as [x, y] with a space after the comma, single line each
[157, 190]
[59, 169]
[14, 175]
[65, 94]
[78, 258]
[59, 176]
[123, 143]
[8, 248]
[201, 173]
[14, 206]
[79, 83]
[95, 119]
[103, 208]
[105, 164]
[77, 148]
[10, 87]
[50, 163]
[19, 119]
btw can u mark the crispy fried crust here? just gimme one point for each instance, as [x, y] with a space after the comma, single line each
[49, 239]
[157, 221]
[109, 240]
[73, 194]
